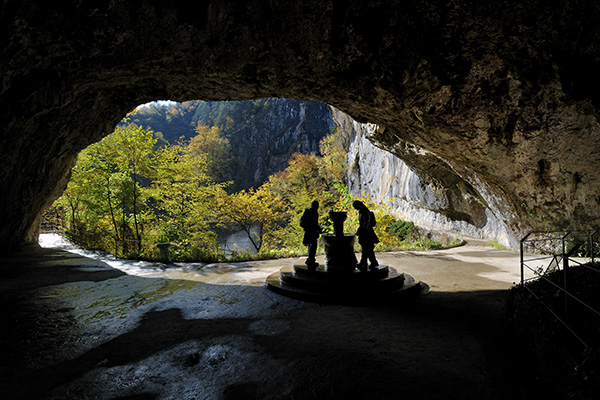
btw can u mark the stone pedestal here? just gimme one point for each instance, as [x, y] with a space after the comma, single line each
[339, 281]
[339, 249]
[378, 285]
[339, 253]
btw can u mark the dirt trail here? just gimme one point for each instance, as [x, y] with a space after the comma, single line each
[78, 328]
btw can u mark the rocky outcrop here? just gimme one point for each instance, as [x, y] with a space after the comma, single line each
[262, 133]
[453, 206]
[501, 94]
[263, 143]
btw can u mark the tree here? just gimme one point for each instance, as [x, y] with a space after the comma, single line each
[184, 196]
[131, 149]
[104, 194]
[332, 164]
[259, 213]
[85, 199]
[209, 143]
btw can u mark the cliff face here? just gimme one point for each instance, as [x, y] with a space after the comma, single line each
[262, 133]
[263, 143]
[502, 95]
[454, 205]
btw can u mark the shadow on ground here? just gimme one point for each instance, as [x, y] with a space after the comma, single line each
[439, 345]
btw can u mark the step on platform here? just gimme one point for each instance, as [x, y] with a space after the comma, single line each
[382, 283]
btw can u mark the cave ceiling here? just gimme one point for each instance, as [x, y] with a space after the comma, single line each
[504, 94]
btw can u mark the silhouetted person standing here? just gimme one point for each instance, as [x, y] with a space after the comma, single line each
[310, 223]
[366, 236]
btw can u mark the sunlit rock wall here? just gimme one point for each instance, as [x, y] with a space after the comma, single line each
[389, 181]
[265, 143]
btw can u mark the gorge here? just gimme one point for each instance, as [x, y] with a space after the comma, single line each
[494, 105]
[264, 133]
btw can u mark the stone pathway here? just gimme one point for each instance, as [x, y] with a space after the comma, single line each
[79, 328]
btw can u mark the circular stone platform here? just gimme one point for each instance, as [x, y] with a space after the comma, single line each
[329, 286]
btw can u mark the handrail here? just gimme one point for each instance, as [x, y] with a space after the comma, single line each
[569, 243]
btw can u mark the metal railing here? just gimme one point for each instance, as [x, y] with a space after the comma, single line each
[544, 253]
[52, 225]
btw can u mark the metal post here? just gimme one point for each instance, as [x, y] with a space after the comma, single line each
[522, 261]
[592, 243]
[565, 268]
[565, 257]
[522, 268]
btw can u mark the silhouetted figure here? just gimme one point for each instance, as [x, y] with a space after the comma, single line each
[310, 223]
[366, 236]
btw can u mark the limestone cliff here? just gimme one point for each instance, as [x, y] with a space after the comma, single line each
[263, 141]
[458, 208]
[262, 133]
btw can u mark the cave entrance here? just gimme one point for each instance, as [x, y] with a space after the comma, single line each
[202, 180]
[169, 168]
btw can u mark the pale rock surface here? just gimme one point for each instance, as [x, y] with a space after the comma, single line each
[389, 181]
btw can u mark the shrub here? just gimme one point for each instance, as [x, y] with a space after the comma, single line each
[402, 229]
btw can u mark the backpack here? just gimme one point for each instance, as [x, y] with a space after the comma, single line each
[372, 221]
[303, 220]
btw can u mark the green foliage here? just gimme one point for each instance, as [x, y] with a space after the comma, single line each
[260, 213]
[497, 245]
[183, 195]
[104, 201]
[125, 197]
[250, 128]
[215, 148]
[169, 122]
[332, 163]
[267, 254]
[127, 194]
[402, 228]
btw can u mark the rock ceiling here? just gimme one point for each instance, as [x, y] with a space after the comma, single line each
[500, 96]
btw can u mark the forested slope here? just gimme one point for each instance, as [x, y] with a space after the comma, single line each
[262, 134]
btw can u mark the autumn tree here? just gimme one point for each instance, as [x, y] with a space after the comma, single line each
[332, 163]
[259, 213]
[184, 196]
[311, 177]
[215, 148]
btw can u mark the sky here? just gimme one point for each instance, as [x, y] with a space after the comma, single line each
[162, 103]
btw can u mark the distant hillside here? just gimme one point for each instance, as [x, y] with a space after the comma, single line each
[263, 133]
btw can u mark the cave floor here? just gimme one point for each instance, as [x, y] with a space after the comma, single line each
[77, 328]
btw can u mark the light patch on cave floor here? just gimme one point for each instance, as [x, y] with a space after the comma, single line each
[106, 309]
[243, 273]
[109, 308]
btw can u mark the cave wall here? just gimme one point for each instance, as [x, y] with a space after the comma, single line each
[501, 95]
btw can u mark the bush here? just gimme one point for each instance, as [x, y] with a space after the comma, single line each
[402, 229]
